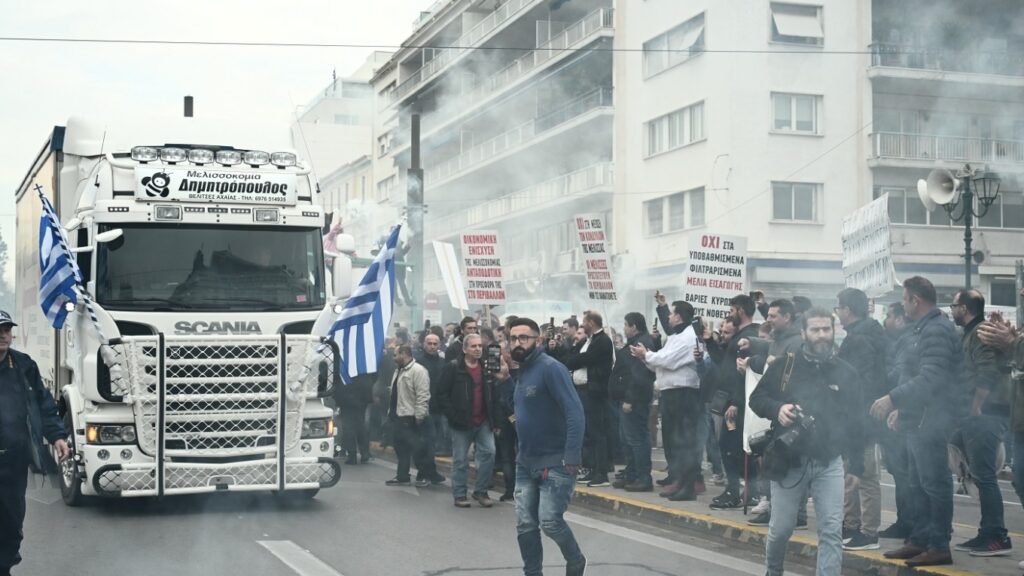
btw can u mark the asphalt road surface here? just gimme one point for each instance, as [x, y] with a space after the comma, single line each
[358, 528]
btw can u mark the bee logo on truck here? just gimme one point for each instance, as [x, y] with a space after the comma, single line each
[157, 185]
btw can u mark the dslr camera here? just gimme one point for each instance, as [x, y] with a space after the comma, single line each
[803, 424]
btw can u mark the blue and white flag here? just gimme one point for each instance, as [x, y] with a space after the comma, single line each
[58, 271]
[361, 327]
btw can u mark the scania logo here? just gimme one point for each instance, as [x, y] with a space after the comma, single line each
[202, 327]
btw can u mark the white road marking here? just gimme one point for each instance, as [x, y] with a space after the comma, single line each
[672, 546]
[303, 562]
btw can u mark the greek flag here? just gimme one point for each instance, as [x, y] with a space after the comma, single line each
[58, 271]
[362, 324]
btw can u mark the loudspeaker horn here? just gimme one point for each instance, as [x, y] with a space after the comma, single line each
[943, 186]
[922, 193]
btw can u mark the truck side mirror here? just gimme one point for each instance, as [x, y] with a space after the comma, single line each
[341, 276]
[345, 243]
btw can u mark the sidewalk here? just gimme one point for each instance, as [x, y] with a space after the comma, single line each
[697, 519]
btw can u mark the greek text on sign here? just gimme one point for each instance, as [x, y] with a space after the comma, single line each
[205, 185]
[867, 249]
[591, 231]
[485, 282]
[715, 272]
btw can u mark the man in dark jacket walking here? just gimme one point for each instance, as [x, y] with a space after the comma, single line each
[550, 424]
[929, 401]
[466, 397]
[982, 433]
[636, 407]
[864, 349]
[813, 383]
[598, 359]
[429, 356]
[28, 414]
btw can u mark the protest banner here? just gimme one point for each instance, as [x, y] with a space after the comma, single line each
[867, 249]
[481, 260]
[449, 266]
[715, 272]
[591, 231]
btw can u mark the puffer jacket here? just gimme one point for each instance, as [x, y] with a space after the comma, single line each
[931, 376]
[864, 348]
[639, 379]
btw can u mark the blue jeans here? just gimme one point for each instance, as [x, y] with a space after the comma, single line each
[1018, 465]
[896, 458]
[638, 443]
[710, 442]
[826, 483]
[930, 493]
[484, 440]
[541, 499]
[982, 436]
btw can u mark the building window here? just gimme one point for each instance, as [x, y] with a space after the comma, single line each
[384, 145]
[674, 212]
[675, 130]
[796, 113]
[905, 207]
[795, 201]
[674, 47]
[385, 187]
[1004, 292]
[797, 24]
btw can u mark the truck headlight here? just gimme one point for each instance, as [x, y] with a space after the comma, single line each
[167, 213]
[320, 428]
[265, 215]
[255, 157]
[110, 433]
[145, 154]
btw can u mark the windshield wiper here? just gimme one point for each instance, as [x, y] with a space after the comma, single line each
[140, 301]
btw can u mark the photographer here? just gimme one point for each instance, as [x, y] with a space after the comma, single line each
[807, 395]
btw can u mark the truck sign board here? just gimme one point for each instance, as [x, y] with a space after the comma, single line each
[200, 184]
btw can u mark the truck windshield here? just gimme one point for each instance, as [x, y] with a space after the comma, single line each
[177, 267]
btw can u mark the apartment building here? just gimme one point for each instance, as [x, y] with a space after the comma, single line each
[775, 120]
[516, 108]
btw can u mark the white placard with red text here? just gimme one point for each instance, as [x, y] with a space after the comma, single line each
[481, 260]
[593, 236]
[716, 270]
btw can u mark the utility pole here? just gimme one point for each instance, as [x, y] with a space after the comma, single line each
[414, 205]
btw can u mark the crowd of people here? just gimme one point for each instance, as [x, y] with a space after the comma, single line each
[931, 394]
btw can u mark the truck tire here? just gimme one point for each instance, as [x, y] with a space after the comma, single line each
[70, 481]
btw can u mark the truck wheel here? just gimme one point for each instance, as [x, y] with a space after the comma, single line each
[70, 481]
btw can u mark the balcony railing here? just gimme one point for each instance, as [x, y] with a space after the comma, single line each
[464, 44]
[576, 34]
[979, 62]
[565, 186]
[519, 135]
[928, 147]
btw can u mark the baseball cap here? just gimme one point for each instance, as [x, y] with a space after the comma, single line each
[6, 319]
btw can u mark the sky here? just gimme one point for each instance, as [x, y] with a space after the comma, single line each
[46, 82]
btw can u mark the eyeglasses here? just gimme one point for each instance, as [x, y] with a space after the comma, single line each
[521, 339]
[954, 305]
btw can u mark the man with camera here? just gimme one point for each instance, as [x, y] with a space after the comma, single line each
[807, 396]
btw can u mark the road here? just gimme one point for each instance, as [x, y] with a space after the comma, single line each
[359, 528]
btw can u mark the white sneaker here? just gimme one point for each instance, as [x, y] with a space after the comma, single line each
[765, 505]
[1021, 565]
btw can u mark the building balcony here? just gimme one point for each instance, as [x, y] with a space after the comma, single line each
[526, 134]
[474, 37]
[910, 62]
[922, 150]
[548, 195]
[597, 24]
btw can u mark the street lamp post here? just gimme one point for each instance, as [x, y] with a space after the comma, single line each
[974, 184]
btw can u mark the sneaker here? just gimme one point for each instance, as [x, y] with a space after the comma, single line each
[396, 481]
[507, 498]
[861, 541]
[598, 482]
[727, 503]
[620, 475]
[849, 533]
[578, 569]
[726, 495]
[765, 505]
[896, 532]
[993, 547]
[761, 519]
[483, 500]
[585, 479]
[437, 479]
[1020, 564]
[462, 502]
[421, 483]
[970, 544]
[718, 479]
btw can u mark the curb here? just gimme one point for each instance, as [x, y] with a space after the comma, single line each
[802, 549]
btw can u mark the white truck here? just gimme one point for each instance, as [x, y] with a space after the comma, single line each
[202, 249]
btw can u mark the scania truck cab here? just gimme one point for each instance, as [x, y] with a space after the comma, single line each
[199, 361]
